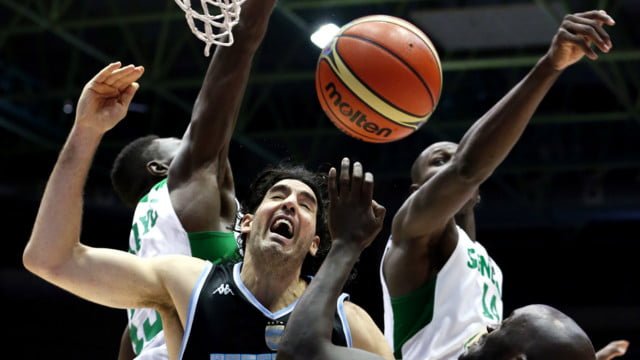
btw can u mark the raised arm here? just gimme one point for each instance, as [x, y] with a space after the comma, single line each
[423, 218]
[54, 251]
[201, 163]
[355, 220]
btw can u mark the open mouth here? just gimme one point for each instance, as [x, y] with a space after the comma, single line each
[282, 227]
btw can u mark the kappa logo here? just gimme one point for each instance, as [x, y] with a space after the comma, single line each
[223, 289]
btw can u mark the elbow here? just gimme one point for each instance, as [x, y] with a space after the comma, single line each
[39, 262]
[33, 262]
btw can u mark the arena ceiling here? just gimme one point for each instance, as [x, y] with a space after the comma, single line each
[581, 149]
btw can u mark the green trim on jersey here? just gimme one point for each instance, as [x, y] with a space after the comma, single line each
[215, 246]
[145, 198]
[411, 313]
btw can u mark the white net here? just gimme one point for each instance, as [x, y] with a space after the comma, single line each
[214, 24]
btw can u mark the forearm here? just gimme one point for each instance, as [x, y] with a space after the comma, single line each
[57, 226]
[309, 329]
[486, 144]
[126, 348]
[218, 103]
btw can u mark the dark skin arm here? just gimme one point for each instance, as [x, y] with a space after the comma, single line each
[200, 178]
[423, 230]
[126, 350]
[355, 220]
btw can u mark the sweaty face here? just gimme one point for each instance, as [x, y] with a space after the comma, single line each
[284, 224]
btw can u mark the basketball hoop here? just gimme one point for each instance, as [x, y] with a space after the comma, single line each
[216, 28]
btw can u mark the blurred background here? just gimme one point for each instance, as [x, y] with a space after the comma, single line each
[560, 216]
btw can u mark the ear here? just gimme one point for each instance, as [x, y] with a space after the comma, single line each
[315, 245]
[157, 168]
[245, 223]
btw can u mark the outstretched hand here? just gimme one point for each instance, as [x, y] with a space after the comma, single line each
[105, 99]
[354, 216]
[576, 35]
[613, 350]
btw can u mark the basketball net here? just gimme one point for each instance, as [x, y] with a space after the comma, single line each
[216, 27]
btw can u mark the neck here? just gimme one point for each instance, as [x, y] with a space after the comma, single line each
[274, 286]
[467, 221]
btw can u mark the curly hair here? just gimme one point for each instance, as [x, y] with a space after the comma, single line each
[129, 176]
[317, 182]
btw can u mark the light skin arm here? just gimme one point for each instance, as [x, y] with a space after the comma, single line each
[201, 164]
[355, 220]
[54, 252]
[423, 229]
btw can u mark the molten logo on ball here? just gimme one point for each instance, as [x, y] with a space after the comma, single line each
[379, 80]
[358, 118]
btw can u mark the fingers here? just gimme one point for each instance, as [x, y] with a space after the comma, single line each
[123, 77]
[356, 180]
[129, 78]
[613, 350]
[344, 176]
[332, 187]
[129, 92]
[106, 71]
[598, 15]
[579, 41]
[590, 29]
[354, 184]
[367, 187]
[378, 210]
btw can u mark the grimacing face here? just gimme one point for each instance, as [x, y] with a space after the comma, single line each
[284, 224]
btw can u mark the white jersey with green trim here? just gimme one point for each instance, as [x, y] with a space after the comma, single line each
[467, 298]
[156, 230]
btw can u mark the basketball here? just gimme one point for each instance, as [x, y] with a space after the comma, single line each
[379, 79]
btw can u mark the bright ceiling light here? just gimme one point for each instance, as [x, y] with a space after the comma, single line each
[324, 34]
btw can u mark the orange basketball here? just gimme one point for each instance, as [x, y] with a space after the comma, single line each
[379, 79]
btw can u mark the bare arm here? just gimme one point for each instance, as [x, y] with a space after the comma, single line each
[201, 163]
[425, 219]
[54, 252]
[355, 221]
[126, 350]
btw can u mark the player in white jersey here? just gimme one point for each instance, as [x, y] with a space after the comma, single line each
[442, 291]
[440, 287]
[531, 332]
[467, 287]
[157, 230]
[191, 208]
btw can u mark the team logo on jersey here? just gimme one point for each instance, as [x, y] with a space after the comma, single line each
[273, 334]
[223, 289]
